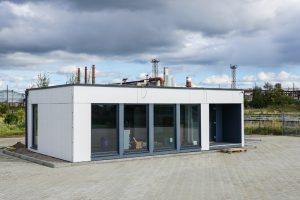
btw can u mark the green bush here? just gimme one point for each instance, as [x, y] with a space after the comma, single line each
[21, 117]
[11, 118]
[270, 96]
[3, 108]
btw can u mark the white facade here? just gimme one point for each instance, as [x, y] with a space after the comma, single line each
[64, 113]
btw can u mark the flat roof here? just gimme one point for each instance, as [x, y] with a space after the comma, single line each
[132, 86]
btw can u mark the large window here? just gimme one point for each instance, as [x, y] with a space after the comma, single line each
[189, 125]
[104, 129]
[164, 127]
[135, 128]
[34, 126]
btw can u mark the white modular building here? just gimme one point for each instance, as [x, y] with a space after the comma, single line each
[91, 122]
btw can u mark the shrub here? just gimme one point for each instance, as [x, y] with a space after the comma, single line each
[3, 108]
[11, 118]
[21, 117]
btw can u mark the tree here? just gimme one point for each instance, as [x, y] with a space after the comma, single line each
[258, 99]
[270, 96]
[277, 95]
[268, 86]
[268, 93]
[72, 79]
[43, 80]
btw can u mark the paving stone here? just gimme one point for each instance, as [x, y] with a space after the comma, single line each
[270, 171]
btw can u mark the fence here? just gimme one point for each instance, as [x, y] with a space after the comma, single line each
[275, 124]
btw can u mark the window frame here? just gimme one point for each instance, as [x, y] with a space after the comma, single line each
[34, 123]
[129, 152]
[174, 148]
[186, 147]
[105, 154]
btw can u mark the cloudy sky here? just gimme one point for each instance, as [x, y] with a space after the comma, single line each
[197, 38]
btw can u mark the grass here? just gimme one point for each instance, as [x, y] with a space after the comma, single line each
[291, 109]
[263, 131]
[7, 130]
[272, 127]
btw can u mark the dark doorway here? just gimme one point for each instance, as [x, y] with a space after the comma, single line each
[212, 122]
[225, 123]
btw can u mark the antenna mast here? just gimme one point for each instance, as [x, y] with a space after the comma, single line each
[155, 62]
[233, 74]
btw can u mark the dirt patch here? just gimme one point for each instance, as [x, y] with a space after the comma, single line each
[20, 149]
[19, 145]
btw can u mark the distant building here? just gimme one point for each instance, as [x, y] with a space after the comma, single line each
[295, 93]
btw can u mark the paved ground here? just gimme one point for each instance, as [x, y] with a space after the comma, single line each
[4, 142]
[271, 171]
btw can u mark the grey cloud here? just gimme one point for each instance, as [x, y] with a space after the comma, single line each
[288, 43]
[119, 32]
[118, 4]
[135, 30]
[96, 5]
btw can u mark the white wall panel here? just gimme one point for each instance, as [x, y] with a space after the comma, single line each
[82, 133]
[224, 96]
[51, 95]
[104, 95]
[154, 95]
[205, 126]
[55, 130]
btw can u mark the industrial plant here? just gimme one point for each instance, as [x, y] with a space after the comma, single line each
[88, 121]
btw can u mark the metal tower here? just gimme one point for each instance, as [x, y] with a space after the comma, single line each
[233, 74]
[155, 62]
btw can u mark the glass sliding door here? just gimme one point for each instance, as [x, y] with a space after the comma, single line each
[34, 126]
[135, 128]
[104, 138]
[164, 127]
[189, 125]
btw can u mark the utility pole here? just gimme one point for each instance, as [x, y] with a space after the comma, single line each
[7, 94]
[12, 97]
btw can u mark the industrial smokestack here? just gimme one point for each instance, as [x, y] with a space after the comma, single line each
[78, 75]
[166, 76]
[188, 82]
[93, 75]
[85, 75]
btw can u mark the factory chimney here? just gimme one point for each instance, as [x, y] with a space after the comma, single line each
[93, 75]
[85, 75]
[188, 82]
[78, 75]
[166, 76]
